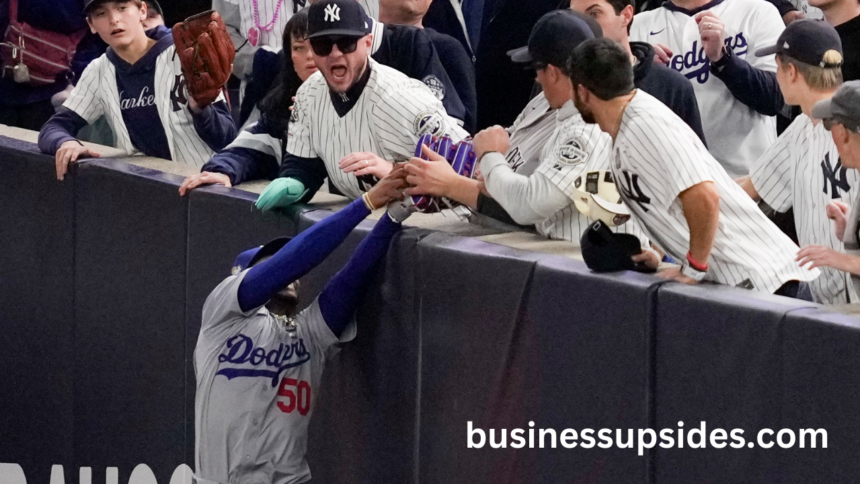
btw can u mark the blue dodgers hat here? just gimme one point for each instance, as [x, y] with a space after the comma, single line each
[813, 42]
[554, 37]
[251, 256]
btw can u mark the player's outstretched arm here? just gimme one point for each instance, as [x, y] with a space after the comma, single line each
[312, 246]
[342, 295]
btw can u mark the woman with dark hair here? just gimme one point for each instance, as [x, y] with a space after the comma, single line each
[256, 153]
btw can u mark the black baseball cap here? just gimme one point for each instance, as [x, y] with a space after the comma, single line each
[809, 41]
[153, 4]
[843, 107]
[337, 17]
[605, 251]
[554, 37]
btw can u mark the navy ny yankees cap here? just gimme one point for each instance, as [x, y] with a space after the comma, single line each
[554, 37]
[813, 42]
[252, 256]
[843, 107]
[337, 17]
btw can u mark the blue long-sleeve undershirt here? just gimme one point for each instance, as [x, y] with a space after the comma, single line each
[299, 256]
[342, 295]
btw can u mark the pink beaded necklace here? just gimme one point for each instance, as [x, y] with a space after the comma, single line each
[254, 32]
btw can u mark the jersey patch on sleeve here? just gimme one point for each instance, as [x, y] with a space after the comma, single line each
[429, 122]
[294, 114]
[570, 153]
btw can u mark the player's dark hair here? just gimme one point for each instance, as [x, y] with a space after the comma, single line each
[276, 105]
[603, 67]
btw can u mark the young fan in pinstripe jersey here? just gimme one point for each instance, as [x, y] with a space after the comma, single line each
[684, 199]
[353, 118]
[138, 85]
[803, 169]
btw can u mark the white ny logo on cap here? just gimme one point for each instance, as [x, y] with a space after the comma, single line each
[332, 13]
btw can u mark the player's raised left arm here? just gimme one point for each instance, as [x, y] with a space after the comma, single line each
[342, 295]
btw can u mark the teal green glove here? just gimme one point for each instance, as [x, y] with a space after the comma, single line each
[282, 192]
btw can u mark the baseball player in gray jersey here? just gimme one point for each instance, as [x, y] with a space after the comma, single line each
[803, 170]
[259, 361]
[354, 117]
[683, 198]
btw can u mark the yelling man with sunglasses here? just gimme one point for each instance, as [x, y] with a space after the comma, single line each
[354, 118]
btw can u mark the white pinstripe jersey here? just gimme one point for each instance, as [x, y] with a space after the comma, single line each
[386, 120]
[803, 170]
[576, 147]
[96, 94]
[657, 156]
[531, 132]
[737, 135]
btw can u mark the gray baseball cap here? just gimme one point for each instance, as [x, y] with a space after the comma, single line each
[843, 107]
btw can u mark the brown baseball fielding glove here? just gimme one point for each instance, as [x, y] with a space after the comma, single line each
[206, 53]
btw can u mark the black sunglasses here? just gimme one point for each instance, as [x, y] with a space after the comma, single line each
[322, 46]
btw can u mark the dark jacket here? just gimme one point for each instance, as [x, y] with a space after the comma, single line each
[669, 86]
[460, 69]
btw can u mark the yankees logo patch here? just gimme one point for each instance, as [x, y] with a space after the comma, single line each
[429, 122]
[332, 13]
[571, 152]
[435, 85]
[834, 177]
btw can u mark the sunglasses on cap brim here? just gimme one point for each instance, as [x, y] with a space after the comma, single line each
[323, 46]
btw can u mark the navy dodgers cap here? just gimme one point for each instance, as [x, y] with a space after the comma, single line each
[843, 107]
[251, 256]
[337, 17]
[813, 42]
[554, 37]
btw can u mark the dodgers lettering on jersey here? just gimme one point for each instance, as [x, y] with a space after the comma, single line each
[576, 147]
[257, 384]
[803, 170]
[657, 157]
[391, 114]
[737, 135]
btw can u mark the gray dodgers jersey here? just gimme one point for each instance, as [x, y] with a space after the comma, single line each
[257, 384]
[657, 157]
[803, 170]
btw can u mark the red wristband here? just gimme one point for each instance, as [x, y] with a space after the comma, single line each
[696, 264]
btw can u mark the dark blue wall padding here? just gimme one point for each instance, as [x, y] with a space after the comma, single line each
[477, 358]
[365, 426]
[594, 359]
[821, 378]
[36, 311]
[130, 259]
[718, 360]
[221, 224]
